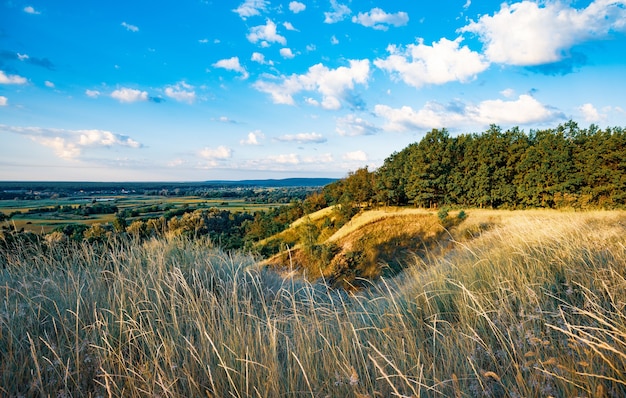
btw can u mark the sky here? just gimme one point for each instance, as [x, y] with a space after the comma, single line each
[199, 90]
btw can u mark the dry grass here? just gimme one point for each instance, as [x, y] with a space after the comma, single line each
[526, 304]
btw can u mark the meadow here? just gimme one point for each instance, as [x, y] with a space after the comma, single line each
[510, 304]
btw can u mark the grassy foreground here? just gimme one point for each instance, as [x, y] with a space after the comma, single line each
[522, 304]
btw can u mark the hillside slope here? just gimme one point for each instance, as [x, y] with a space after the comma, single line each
[372, 244]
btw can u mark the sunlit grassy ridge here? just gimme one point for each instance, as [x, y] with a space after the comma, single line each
[523, 304]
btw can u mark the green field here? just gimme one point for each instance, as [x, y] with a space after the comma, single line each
[46, 221]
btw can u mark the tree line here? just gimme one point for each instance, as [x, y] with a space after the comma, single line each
[564, 167]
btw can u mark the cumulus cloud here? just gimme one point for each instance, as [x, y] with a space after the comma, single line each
[11, 79]
[333, 85]
[287, 53]
[250, 8]
[338, 12]
[265, 34]
[69, 144]
[524, 110]
[129, 95]
[296, 7]
[4, 101]
[129, 27]
[352, 125]
[590, 113]
[356, 156]
[443, 62]
[233, 65]
[49, 84]
[219, 153]
[333, 40]
[260, 58]
[303, 138]
[92, 93]
[378, 19]
[31, 10]
[181, 92]
[531, 33]
[253, 138]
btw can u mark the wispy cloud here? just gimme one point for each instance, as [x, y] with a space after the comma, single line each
[129, 27]
[352, 125]
[129, 95]
[338, 12]
[250, 8]
[49, 84]
[378, 19]
[357, 156]
[11, 79]
[332, 84]
[31, 10]
[181, 92]
[232, 64]
[92, 93]
[69, 144]
[303, 138]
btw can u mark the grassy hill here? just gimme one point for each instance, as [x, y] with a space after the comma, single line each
[500, 304]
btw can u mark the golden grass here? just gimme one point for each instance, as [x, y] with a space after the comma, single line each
[523, 304]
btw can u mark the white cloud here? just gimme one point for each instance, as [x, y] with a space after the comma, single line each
[31, 10]
[129, 27]
[378, 19]
[289, 26]
[443, 62]
[219, 153]
[296, 7]
[333, 40]
[467, 4]
[253, 138]
[3, 100]
[181, 92]
[357, 156]
[233, 65]
[286, 53]
[251, 8]
[508, 93]
[590, 113]
[265, 34]
[22, 57]
[303, 138]
[524, 110]
[69, 144]
[260, 58]
[129, 95]
[351, 125]
[49, 84]
[92, 93]
[331, 84]
[311, 47]
[203, 41]
[338, 12]
[291, 158]
[535, 33]
[224, 119]
[11, 79]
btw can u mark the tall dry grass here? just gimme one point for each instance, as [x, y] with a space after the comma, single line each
[523, 305]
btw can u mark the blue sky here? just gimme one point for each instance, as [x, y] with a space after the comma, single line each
[202, 90]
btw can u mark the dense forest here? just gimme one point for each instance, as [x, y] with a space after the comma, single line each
[565, 167]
